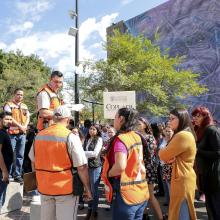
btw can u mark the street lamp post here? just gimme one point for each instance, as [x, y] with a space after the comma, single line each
[93, 107]
[74, 31]
[76, 62]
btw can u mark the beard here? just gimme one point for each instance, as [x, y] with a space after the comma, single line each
[5, 127]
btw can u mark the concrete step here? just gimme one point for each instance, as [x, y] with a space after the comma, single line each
[14, 197]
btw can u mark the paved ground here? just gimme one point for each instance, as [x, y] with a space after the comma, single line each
[24, 213]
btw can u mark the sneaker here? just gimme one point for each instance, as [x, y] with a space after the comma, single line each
[11, 178]
[88, 215]
[36, 198]
[18, 179]
[94, 216]
[145, 217]
[202, 198]
[81, 206]
[165, 217]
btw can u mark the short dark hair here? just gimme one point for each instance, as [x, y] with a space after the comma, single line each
[184, 120]
[3, 114]
[87, 123]
[56, 73]
[18, 89]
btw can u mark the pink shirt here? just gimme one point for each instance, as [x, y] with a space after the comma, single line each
[118, 147]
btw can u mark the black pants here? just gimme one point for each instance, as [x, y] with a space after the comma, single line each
[213, 205]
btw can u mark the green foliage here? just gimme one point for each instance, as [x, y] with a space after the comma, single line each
[19, 71]
[84, 89]
[135, 63]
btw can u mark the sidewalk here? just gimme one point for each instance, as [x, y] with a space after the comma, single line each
[24, 213]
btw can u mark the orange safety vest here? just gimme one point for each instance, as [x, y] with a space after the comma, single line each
[133, 184]
[19, 113]
[55, 101]
[52, 162]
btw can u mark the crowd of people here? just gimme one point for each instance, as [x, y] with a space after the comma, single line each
[130, 156]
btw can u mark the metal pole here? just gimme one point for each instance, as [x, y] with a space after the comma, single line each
[76, 62]
[93, 107]
[93, 113]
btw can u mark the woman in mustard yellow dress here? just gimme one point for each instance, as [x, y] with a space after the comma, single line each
[181, 150]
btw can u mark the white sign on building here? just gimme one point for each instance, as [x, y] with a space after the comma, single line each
[116, 100]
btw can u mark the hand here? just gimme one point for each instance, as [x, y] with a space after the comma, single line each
[170, 161]
[87, 196]
[23, 128]
[103, 152]
[5, 176]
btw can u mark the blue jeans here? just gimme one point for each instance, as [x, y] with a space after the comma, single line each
[18, 144]
[94, 177]
[123, 211]
[3, 188]
[184, 211]
[166, 186]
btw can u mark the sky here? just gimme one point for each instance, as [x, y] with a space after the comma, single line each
[41, 27]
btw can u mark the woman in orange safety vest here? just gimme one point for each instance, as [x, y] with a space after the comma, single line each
[124, 174]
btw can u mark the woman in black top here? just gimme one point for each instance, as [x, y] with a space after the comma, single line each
[92, 146]
[208, 159]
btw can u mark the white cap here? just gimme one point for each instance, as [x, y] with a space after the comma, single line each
[62, 111]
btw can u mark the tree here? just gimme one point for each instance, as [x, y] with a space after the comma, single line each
[135, 63]
[86, 113]
[19, 71]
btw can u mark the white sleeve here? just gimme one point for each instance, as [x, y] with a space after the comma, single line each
[43, 100]
[31, 153]
[7, 108]
[76, 151]
[28, 114]
[96, 151]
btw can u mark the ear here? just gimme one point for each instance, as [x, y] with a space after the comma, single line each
[122, 119]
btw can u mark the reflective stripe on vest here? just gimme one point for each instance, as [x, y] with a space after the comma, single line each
[133, 184]
[19, 114]
[50, 138]
[55, 101]
[52, 162]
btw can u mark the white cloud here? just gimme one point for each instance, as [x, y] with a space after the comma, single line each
[53, 44]
[126, 2]
[96, 45]
[21, 27]
[104, 23]
[91, 25]
[33, 9]
[27, 13]
[28, 25]
[3, 45]
[58, 48]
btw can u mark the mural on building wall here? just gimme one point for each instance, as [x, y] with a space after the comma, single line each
[190, 28]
